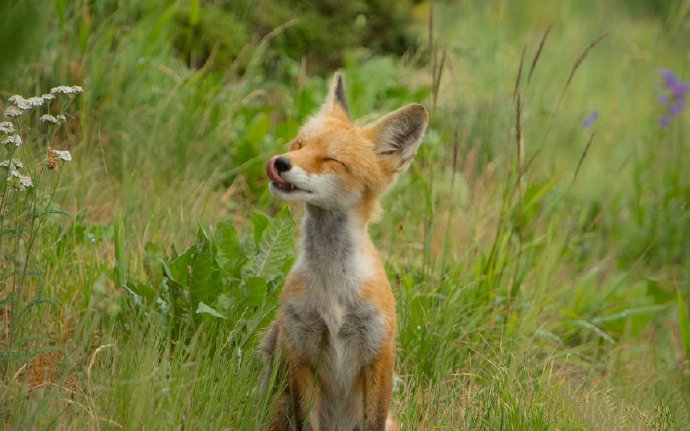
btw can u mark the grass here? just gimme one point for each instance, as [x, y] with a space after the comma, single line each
[529, 296]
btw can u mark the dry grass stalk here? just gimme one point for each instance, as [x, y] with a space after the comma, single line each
[580, 59]
[437, 76]
[538, 53]
[519, 74]
[584, 154]
[519, 141]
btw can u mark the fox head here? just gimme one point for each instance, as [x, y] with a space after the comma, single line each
[337, 165]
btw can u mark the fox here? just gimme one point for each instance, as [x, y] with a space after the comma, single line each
[333, 336]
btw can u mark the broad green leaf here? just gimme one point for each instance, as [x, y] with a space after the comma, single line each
[225, 303]
[205, 309]
[260, 222]
[274, 247]
[256, 291]
[143, 290]
[204, 276]
[178, 270]
[229, 255]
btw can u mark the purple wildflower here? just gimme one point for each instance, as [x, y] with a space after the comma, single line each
[674, 97]
[590, 119]
[677, 106]
[669, 78]
[663, 121]
[680, 89]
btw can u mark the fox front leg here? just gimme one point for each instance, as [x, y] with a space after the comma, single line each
[378, 380]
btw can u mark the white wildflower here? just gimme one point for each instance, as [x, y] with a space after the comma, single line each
[12, 111]
[61, 89]
[66, 89]
[63, 155]
[21, 103]
[19, 181]
[25, 181]
[14, 139]
[6, 127]
[12, 164]
[47, 118]
[48, 96]
[62, 118]
[36, 101]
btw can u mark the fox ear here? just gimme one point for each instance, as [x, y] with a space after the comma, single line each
[335, 103]
[398, 134]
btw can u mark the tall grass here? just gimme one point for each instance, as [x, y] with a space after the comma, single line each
[540, 268]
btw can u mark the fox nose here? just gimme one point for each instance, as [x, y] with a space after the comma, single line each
[282, 164]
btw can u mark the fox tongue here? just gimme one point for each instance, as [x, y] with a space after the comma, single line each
[274, 176]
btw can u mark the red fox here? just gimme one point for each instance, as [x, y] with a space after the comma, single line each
[333, 337]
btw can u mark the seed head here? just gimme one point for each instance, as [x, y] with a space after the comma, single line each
[54, 157]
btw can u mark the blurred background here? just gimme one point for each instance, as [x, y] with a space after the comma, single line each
[539, 247]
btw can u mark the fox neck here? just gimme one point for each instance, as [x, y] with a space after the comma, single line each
[331, 243]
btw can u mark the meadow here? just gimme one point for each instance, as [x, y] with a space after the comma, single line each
[538, 247]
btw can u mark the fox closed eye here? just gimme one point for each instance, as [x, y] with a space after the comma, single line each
[331, 159]
[296, 145]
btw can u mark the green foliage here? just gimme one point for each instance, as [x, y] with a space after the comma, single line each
[211, 31]
[19, 40]
[320, 32]
[221, 276]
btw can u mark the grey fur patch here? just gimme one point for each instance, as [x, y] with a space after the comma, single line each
[363, 328]
[306, 330]
[327, 244]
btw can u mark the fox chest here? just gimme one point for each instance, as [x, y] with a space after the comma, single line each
[339, 335]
